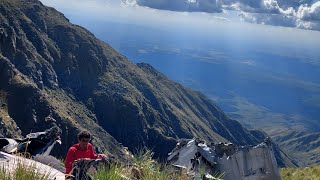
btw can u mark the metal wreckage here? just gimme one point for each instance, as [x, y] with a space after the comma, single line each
[33, 151]
[225, 160]
[34, 143]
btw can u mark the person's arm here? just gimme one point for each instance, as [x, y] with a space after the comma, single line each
[93, 155]
[70, 158]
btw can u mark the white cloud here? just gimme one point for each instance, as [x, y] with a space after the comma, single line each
[308, 25]
[279, 20]
[257, 6]
[279, 12]
[129, 2]
[292, 13]
[269, 19]
[270, 5]
[309, 13]
[289, 11]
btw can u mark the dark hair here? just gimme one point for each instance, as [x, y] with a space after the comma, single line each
[84, 134]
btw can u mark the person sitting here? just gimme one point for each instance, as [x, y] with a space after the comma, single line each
[82, 150]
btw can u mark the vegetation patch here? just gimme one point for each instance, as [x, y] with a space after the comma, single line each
[144, 167]
[306, 173]
[22, 171]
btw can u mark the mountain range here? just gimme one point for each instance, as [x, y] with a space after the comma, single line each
[49, 66]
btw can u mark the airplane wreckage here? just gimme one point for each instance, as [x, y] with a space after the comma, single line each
[37, 146]
[204, 161]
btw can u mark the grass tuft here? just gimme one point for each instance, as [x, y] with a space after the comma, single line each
[306, 173]
[143, 168]
[22, 172]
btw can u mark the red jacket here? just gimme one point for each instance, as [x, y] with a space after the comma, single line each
[75, 153]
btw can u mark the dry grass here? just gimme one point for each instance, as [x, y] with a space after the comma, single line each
[22, 172]
[143, 168]
[307, 173]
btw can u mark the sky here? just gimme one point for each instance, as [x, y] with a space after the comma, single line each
[304, 14]
[227, 24]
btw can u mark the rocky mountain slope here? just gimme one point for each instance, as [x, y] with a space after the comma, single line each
[50, 66]
[305, 146]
